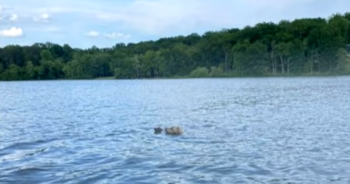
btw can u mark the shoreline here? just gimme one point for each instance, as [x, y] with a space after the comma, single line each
[186, 77]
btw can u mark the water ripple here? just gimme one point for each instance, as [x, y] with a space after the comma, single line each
[271, 130]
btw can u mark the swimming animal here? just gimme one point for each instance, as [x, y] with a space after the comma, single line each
[158, 130]
[174, 130]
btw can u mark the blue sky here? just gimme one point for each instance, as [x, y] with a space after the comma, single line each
[103, 23]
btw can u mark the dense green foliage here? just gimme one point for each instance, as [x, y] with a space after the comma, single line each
[303, 46]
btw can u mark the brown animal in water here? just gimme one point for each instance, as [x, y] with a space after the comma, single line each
[173, 131]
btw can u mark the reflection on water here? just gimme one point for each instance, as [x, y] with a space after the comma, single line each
[268, 130]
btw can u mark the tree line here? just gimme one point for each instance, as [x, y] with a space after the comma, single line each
[307, 46]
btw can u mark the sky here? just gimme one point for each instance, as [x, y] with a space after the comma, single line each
[104, 23]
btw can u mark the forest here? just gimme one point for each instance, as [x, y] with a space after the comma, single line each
[306, 46]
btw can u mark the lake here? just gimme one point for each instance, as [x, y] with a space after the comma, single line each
[236, 130]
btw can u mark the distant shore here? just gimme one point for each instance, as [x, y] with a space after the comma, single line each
[186, 77]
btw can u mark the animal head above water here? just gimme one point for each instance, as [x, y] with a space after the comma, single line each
[158, 130]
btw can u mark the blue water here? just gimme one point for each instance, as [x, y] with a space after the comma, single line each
[250, 130]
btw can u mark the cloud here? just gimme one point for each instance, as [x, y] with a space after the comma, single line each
[12, 32]
[44, 18]
[7, 15]
[115, 35]
[13, 18]
[92, 34]
[149, 19]
[159, 17]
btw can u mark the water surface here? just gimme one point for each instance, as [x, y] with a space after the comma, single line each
[250, 130]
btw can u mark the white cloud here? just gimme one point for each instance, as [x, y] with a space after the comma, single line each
[115, 35]
[44, 18]
[13, 18]
[151, 19]
[13, 32]
[164, 16]
[92, 34]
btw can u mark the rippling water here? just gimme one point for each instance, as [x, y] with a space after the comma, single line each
[251, 130]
